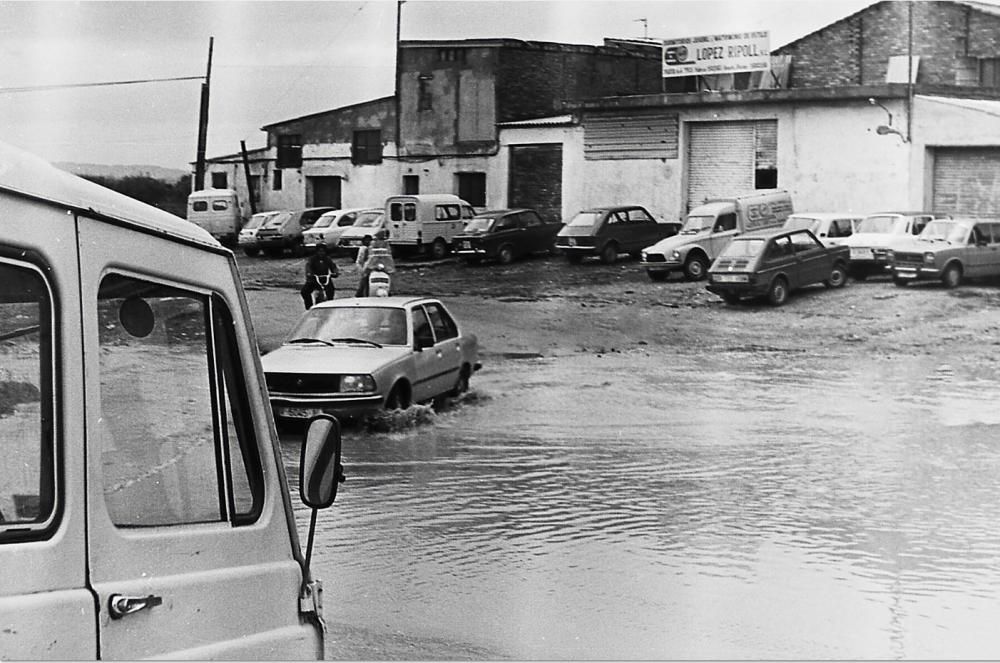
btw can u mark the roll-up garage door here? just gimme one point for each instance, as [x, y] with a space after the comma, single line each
[724, 157]
[967, 181]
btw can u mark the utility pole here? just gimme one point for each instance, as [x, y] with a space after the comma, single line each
[399, 137]
[909, 70]
[246, 173]
[645, 27]
[199, 164]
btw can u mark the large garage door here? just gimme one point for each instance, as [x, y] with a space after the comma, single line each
[726, 158]
[967, 181]
[536, 179]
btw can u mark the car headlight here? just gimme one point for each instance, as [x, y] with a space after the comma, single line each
[929, 258]
[675, 256]
[356, 383]
[890, 255]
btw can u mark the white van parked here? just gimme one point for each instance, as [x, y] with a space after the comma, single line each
[426, 223]
[217, 211]
[144, 511]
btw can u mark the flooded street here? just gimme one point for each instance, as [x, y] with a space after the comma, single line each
[660, 504]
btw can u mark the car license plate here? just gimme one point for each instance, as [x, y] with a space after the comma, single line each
[298, 412]
[572, 241]
[466, 245]
[861, 253]
[730, 278]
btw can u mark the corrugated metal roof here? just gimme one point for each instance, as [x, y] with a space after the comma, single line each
[553, 121]
[988, 106]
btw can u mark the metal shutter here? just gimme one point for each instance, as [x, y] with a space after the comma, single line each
[967, 181]
[723, 157]
[630, 136]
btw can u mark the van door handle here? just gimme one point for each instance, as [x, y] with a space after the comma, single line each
[119, 606]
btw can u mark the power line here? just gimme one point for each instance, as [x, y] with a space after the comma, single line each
[36, 88]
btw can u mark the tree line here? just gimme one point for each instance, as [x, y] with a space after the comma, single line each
[168, 196]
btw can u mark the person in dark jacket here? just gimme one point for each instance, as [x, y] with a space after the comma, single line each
[320, 272]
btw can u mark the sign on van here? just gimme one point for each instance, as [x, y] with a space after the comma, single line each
[768, 213]
[717, 54]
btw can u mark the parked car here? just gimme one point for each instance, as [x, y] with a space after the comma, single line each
[368, 223]
[247, 239]
[606, 232]
[948, 250]
[773, 263]
[708, 229]
[871, 239]
[355, 356]
[829, 227]
[284, 230]
[330, 226]
[505, 234]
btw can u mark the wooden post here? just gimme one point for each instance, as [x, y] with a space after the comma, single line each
[199, 164]
[246, 171]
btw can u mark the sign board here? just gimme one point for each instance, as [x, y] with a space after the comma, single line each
[717, 54]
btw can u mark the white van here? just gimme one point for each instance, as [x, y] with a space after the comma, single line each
[423, 223]
[217, 211]
[144, 511]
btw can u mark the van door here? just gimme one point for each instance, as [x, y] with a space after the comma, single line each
[723, 231]
[46, 609]
[190, 550]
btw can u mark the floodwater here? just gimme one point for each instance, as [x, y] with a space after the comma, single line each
[649, 505]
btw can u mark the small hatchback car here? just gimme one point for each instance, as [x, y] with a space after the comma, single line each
[773, 263]
[354, 356]
[948, 250]
[503, 235]
[608, 231]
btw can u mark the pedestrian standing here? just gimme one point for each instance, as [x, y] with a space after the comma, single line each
[360, 260]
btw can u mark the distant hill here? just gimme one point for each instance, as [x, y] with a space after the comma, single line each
[118, 172]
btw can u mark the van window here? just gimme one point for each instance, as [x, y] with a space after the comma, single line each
[725, 222]
[447, 212]
[176, 437]
[200, 206]
[27, 404]
[402, 212]
[220, 205]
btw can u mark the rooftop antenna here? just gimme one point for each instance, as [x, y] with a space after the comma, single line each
[645, 27]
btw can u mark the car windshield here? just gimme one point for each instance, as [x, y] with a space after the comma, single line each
[256, 220]
[383, 325]
[369, 219]
[948, 231]
[743, 248]
[277, 220]
[880, 224]
[585, 219]
[802, 223]
[480, 224]
[325, 220]
[697, 224]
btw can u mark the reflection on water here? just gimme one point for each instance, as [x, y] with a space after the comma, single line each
[750, 505]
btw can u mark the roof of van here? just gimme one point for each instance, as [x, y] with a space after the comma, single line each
[209, 193]
[28, 175]
[430, 197]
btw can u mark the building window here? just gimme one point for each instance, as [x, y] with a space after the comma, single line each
[989, 72]
[290, 151]
[472, 188]
[220, 181]
[276, 180]
[451, 55]
[424, 93]
[411, 185]
[367, 147]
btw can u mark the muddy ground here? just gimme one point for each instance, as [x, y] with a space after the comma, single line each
[545, 306]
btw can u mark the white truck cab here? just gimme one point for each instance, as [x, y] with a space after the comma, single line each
[144, 510]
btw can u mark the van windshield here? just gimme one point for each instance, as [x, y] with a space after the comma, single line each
[585, 219]
[277, 220]
[697, 224]
[881, 224]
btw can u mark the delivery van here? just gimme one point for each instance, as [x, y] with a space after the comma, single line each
[709, 228]
[426, 223]
[217, 211]
[144, 510]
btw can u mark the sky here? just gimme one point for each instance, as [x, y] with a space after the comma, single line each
[277, 60]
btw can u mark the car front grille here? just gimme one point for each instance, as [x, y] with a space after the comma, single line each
[910, 259]
[298, 383]
[736, 264]
[655, 257]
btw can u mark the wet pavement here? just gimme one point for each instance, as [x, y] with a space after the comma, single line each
[659, 504]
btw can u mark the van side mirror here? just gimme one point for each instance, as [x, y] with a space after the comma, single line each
[320, 470]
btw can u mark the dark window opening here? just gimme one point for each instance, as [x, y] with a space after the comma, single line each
[765, 178]
[220, 181]
[472, 188]
[424, 101]
[989, 72]
[411, 185]
[367, 147]
[276, 181]
[290, 151]
[451, 55]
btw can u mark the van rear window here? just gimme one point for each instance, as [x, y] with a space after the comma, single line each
[200, 206]
[28, 487]
[220, 205]
[403, 212]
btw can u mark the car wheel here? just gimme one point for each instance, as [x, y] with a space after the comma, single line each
[505, 255]
[658, 276]
[251, 252]
[439, 249]
[609, 253]
[399, 397]
[574, 258]
[838, 277]
[777, 294]
[695, 267]
[952, 276]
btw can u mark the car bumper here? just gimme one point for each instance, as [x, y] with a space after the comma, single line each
[661, 266]
[916, 273]
[738, 289]
[299, 406]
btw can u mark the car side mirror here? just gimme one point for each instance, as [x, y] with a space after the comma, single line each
[320, 470]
